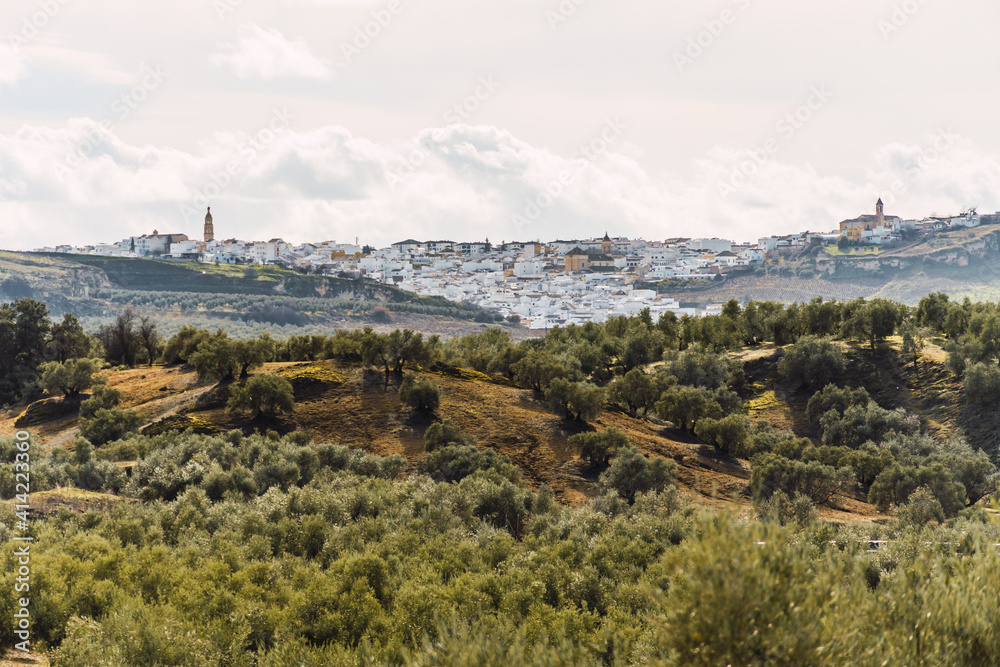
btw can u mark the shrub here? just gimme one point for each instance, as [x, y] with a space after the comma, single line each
[420, 393]
[102, 396]
[637, 390]
[686, 406]
[832, 397]
[183, 344]
[262, 395]
[812, 362]
[215, 358]
[963, 352]
[110, 424]
[538, 368]
[395, 350]
[786, 510]
[444, 434]
[860, 424]
[981, 384]
[867, 463]
[69, 377]
[497, 501]
[598, 448]
[896, 484]
[632, 473]
[763, 438]
[456, 462]
[699, 367]
[381, 315]
[575, 400]
[728, 435]
[770, 473]
[921, 509]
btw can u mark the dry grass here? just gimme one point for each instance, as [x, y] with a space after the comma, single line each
[21, 659]
[356, 407]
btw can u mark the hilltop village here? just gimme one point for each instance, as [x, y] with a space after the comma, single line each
[545, 284]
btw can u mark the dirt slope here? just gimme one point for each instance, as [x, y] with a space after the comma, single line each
[363, 412]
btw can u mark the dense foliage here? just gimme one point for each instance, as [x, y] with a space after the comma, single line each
[275, 550]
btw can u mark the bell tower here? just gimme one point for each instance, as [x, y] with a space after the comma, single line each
[879, 213]
[209, 226]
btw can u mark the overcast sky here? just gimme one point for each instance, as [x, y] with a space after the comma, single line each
[462, 119]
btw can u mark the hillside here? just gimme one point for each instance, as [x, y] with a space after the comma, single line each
[331, 526]
[360, 411]
[961, 263]
[240, 298]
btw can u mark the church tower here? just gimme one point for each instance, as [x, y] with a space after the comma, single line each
[209, 226]
[879, 214]
[606, 245]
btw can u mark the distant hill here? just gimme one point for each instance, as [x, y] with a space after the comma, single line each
[93, 288]
[961, 263]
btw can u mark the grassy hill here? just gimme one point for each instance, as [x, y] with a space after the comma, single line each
[361, 411]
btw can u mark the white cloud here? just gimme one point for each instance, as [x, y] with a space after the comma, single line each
[267, 54]
[326, 183]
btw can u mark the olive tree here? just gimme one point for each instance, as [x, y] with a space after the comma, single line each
[631, 473]
[262, 395]
[68, 377]
[598, 448]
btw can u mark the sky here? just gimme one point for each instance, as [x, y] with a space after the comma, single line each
[314, 120]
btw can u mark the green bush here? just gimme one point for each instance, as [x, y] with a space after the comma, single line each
[631, 473]
[770, 473]
[600, 447]
[860, 424]
[699, 367]
[419, 393]
[444, 434]
[183, 344]
[812, 362]
[638, 390]
[575, 400]
[729, 435]
[981, 384]
[102, 397]
[897, 483]
[686, 406]
[454, 463]
[785, 510]
[262, 395]
[832, 397]
[69, 377]
[921, 508]
[110, 424]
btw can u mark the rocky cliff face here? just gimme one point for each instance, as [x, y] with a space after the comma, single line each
[984, 248]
